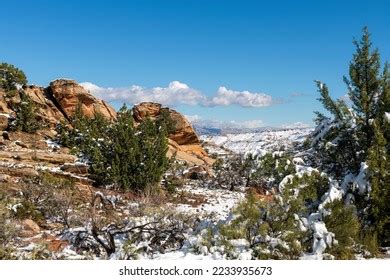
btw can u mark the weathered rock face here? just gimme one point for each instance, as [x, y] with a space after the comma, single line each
[184, 133]
[146, 109]
[48, 112]
[183, 142]
[68, 94]
[3, 122]
[57, 103]
[3, 103]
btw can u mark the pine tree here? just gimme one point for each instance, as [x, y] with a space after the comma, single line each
[361, 134]
[125, 150]
[152, 160]
[131, 158]
[344, 223]
[379, 166]
[364, 87]
[11, 78]
[26, 115]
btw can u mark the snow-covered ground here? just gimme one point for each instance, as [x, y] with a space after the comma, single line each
[218, 205]
[216, 208]
[260, 142]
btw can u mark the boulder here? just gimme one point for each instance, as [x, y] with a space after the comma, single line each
[183, 141]
[68, 95]
[76, 168]
[195, 173]
[56, 245]
[29, 228]
[146, 109]
[184, 134]
[4, 178]
[3, 103]
[3, 121]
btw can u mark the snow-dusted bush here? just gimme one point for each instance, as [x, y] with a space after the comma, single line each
[272, 168]
[269, 229]
[344, 223]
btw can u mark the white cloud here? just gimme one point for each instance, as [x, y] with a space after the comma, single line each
[176, 93]
[226, 97]
[179, 93]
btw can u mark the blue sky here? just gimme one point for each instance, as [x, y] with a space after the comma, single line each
[242, 51]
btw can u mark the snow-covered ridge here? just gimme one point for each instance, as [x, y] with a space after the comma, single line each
[259, 142]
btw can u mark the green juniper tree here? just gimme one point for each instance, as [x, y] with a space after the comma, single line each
[119, 153]
[11, 78]
[125, 150]
[26, 115]
[361, 134]
[344, 223]
[152, 160]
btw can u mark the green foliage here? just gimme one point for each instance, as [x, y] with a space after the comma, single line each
[344, 223]
[7, 231]
[130, 251]
[361, 134]
[28, 210]
[131, 158]
[26, 115]
[258, 222]
[46, 197]
[334, 107]
[274, 167]
[369, 241]
[11, 77]
[165, 119]
[379, 167]
[364, 85]
[303, 193]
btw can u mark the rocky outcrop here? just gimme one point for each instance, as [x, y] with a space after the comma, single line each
[25, 155]
[48, 111]
[56, 103]
[183, 141]
[3, 122]
[184, 134]
[69, 94]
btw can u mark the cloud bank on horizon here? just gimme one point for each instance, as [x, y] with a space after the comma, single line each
[177, 93]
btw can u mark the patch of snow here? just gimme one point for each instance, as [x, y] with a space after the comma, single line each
[360, 182]
[258, 143]
[321, 238]
[53, 145]
[387, 117]
[219, 202]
